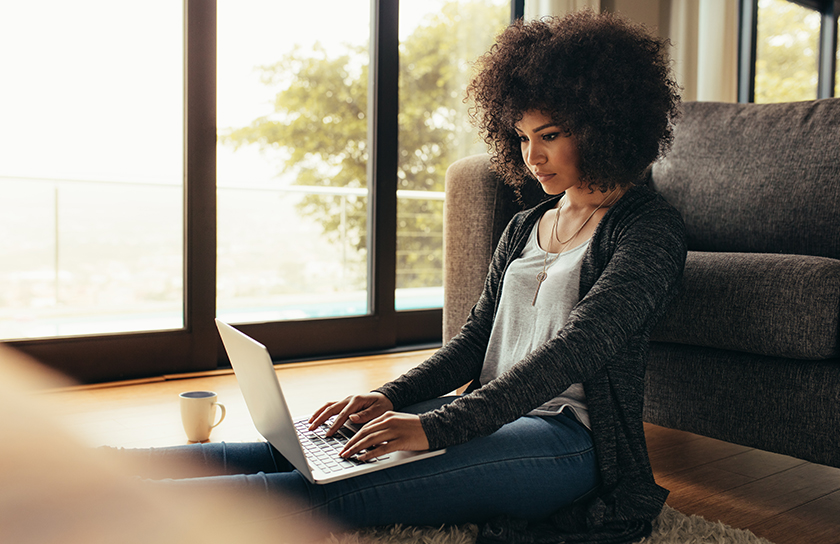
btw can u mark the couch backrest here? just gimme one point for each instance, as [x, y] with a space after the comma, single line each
[758, 178]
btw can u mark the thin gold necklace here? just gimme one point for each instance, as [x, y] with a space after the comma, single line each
[543, 274]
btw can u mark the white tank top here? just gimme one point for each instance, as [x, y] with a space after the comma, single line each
[520, 327]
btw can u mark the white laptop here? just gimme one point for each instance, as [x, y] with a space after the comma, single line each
[312, 453]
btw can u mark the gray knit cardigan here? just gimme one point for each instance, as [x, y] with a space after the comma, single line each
[629, 273]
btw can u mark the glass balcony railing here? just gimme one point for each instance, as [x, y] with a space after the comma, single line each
[96, 257]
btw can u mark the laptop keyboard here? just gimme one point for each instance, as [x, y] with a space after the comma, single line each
[322, 451]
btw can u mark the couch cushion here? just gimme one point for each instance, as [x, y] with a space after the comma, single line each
[770, 304]
[760, 178]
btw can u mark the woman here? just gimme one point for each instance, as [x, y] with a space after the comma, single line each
[547, 442]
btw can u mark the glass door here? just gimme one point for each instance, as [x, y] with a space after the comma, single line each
[439, 41]
[292, 156]
[787, 52]
[91, 168]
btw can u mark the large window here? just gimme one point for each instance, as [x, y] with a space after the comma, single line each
[292, 159]
[91, 168]
[788, 50]
[786, 64]
[438, 41]
[277, 164]
[293, 198]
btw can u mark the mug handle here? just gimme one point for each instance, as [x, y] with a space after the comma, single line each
[222, 406]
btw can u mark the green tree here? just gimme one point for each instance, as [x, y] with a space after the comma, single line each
[320, 123]
[434, 126]
[787, 52]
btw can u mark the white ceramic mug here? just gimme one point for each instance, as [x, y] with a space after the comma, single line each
[198, 410]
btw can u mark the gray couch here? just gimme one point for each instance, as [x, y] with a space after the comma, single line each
[748, 352]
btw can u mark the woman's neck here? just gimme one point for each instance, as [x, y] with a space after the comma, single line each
[581, 198]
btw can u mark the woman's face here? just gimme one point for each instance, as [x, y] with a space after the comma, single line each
[549, 153]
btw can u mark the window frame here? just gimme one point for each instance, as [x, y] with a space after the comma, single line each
[197, 347]
[747, 45]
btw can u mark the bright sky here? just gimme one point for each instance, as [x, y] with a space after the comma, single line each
[93, 88]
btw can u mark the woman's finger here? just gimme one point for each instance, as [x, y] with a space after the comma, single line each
[375, 410]
[361, 408]
[348, 407]
[362, 438]
[326, 412]
[364, 416]
[342, 417]
[319, 411]
[380, 450]
[369, 441]
[392, 432]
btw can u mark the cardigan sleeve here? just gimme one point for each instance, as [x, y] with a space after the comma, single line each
[645, 257]
[461, 359]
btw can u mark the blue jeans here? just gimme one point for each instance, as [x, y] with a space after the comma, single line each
[528, 469]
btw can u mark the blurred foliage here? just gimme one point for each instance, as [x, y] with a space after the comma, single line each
[787, 56]
[434, 128]
[320, 122]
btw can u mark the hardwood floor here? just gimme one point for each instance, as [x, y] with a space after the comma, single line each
[785, 500]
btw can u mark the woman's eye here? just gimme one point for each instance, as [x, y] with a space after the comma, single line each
[551, 136]
[523, 139]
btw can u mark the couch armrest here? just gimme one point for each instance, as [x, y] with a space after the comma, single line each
[478, 206]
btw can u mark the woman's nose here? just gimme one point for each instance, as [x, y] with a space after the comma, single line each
[535, 155]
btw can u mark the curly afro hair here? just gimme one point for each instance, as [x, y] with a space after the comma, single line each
[597, 76]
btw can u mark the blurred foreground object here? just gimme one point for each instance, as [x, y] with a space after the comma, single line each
[54, 489]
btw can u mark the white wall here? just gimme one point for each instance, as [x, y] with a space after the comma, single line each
[647, 12]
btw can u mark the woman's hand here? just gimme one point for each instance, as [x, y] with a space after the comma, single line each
[359, 409]
[392, 431]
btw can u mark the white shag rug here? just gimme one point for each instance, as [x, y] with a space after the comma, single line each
[671, 527]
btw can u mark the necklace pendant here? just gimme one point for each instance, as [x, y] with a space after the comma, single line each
[540, 279]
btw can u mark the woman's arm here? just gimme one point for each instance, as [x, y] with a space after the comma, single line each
[461, 359]
[458, 362]
[633, 288]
